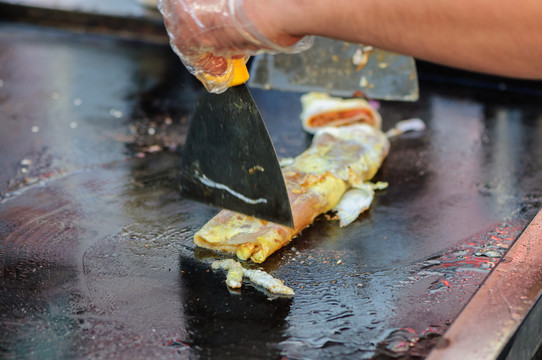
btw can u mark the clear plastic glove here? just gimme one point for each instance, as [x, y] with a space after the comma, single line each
[208, 34]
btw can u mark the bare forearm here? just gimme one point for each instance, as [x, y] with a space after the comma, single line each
[499, 37]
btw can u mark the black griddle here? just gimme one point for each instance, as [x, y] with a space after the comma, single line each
[96, 252]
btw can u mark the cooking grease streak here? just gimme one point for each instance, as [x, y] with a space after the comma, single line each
[212, 184]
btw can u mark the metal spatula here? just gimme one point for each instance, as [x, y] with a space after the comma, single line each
[229, 160]
[339, 68]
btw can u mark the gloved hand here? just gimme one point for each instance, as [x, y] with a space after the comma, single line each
[208, 34]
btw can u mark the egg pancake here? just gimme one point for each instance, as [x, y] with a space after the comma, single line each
[339, 160]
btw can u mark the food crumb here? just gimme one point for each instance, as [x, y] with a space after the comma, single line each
[236, 273]
[339, 262]
[154, 148]
[115, 113]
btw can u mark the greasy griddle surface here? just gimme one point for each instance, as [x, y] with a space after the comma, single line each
[96, 251]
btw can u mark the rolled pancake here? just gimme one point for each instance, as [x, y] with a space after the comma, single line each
[321, 110]
[338, 160]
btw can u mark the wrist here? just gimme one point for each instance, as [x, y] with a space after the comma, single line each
[275, 20]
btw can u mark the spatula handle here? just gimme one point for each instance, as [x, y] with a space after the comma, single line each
[240, 72]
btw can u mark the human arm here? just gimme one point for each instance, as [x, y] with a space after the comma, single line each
[497, 37]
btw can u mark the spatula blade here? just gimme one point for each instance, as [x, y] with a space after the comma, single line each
[229, 160]
[340, 69]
